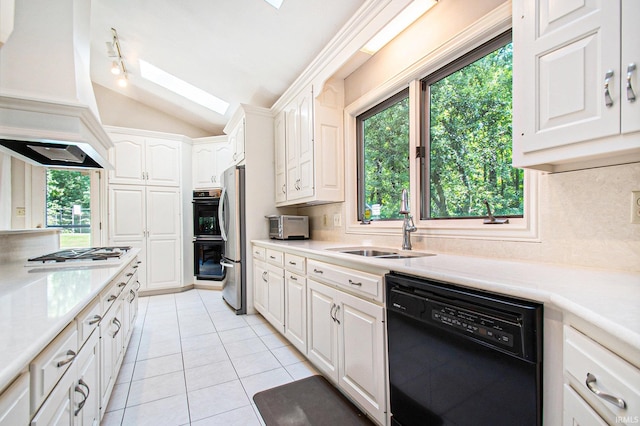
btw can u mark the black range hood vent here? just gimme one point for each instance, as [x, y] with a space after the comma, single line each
[52, 154]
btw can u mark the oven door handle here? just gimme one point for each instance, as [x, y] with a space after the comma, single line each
[226, 264]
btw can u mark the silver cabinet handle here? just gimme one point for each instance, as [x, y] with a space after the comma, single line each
[333, 306]
[264, 276]
[85, 396]
[293, 278]
[71, 354]
[122, 284]
[318, 271]
[355, 283]
[135, 266]
[129, 274]
[607, 96]
[291, 262]
[336, 314]
[96, 319]
[112, 298]
[591, 384]
[119, 324]
[133, 296]
[631, 96]
[284, 188]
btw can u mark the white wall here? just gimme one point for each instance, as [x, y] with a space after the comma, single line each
[584, 216]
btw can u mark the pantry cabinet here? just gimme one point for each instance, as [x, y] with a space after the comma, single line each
[210, 157]
[149, 218]
[575, 83]
[309, 148]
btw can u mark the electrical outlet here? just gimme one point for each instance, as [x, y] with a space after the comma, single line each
[635, 207]
[337, 220]
[21, 212]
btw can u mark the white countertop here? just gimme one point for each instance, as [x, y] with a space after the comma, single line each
[38, 303]
[609, 300]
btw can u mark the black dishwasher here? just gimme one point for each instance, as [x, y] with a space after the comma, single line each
[462, 357]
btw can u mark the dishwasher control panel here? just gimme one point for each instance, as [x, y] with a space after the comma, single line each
[481, 326]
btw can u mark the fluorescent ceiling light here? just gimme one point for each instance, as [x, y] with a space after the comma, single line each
[182, 88]
[275, 3]
[405, 18]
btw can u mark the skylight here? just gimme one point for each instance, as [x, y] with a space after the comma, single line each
[275, 3]
[182, 88]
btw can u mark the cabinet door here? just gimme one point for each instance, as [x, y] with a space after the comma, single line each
[361, 345]
[127, 158]
[305, 145]
[163, 237]
[107, 361]
[204, 165]
[322, 338]
[57, 410]
[280, 157]
[87, 388]
[260, 286]
[291, 151]
[223, 156]
[162, 162]
[296, 310]
[127, 210]
[563, 52]
[275, 297]
[238, 142]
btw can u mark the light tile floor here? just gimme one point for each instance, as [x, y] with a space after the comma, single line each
[192, 361]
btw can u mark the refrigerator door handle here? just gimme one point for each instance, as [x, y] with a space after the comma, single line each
[226, 264]
[223, 225]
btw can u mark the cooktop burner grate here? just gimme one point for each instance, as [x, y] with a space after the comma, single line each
[90, 253]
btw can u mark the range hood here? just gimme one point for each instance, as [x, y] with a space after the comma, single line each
[48, 111]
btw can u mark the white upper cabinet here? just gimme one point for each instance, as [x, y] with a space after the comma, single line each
[142, 160]
[310, 144]
[573, 77]
[210, 157]
[236, 131]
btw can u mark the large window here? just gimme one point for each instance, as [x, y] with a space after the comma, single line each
[466, 160]
[383, 152]
[69, 206]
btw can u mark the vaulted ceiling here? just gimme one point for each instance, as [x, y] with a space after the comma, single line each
[242, 51]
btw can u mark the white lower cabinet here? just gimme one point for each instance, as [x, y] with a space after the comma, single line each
[14, 402]
[295, 310]
[269, 287]
[275, 297]
[260, 281]
[86, 389]
[346, 342]
[600, 386]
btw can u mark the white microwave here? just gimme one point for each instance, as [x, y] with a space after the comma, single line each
[288, 227]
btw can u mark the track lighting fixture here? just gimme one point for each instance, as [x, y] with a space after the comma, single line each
[117, 65]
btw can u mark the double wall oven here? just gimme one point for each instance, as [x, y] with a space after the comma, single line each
[208, 245]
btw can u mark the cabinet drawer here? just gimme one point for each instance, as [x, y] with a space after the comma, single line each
[294, 263]
[275, 257]
[88, 320]
[110, 294]
[259, 253]
[577, 412]
[355, 281]
[610, 374]
[14, 402]
[47, 368]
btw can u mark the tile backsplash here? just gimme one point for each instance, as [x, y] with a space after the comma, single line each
[584, 221]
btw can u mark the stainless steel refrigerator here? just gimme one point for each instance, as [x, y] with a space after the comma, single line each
[231, 214]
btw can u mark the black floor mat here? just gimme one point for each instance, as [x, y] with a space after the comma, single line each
[311, 401]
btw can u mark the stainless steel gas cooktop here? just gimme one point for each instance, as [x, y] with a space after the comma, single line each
[76, 256]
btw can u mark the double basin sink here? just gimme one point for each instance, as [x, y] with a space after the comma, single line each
[380, 253]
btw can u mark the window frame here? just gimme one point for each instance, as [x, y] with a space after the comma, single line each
[524, 229]
[424, 147]
[392, 100]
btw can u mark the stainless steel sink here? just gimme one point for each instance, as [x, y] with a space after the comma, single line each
[380, 253]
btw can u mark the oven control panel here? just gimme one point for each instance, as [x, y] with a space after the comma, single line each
[473, 323]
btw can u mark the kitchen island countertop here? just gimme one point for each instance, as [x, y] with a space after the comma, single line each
[609, 300]
[38, 303]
